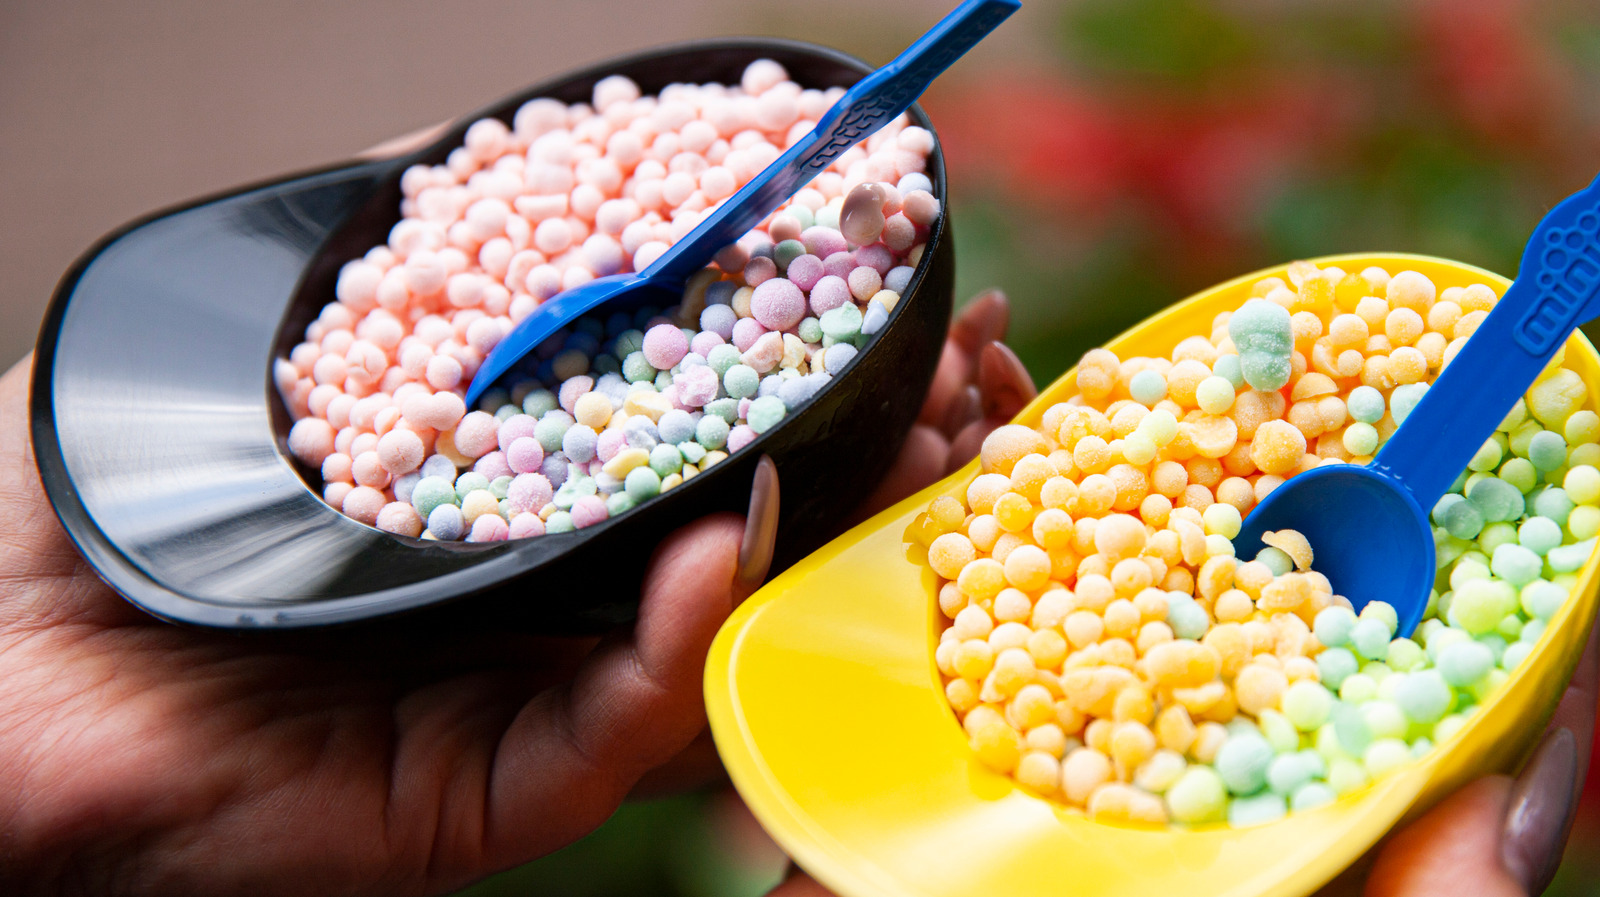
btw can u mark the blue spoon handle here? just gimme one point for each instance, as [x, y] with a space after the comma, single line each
[873, 102]
[1557, 288]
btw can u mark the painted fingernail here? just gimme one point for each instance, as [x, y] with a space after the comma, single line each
[983, 321]
[1003, 382]
[1540, 812]
[760, 529]
[966, 407]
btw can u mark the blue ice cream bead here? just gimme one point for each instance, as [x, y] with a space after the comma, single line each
[431, 492]
[1228, 368]
[1542, 598]
[741, 381]
[1405, 398]
[1242, 762]
[1424, 697]
[640, 432]
[666, 460]
[439, 466]
[470, 481]
[873, 319]
[1147, 387]
[1516, 564]
[579, 443]
[1539, 534]
[446, 523]
[1496, 499]
[1547, 451]
[914, 181]
[1366, 404]
[1335, 665]
[898, 278]
[1287, 773]
[721, 292]
[1465, 662]
[712, 431]
[765, 413]
[1370, 639]
[492, 399]
[676, 426]
[1257, 809]
[642, 483]
[837, 356]
[1554, 502]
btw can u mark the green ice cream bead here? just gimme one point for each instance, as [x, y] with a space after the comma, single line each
[1242, 762]
[1228, 368]
[1516, 653]
[1522, 437]
[1287, 773]
[1276, 559]
[1582, 484]
[1531, 631]
[1357, 688]
[1311, 796]
[1464, 662]
[666, 460]
[1480, 604]
[1199, 796]
[1514, 418]
[765, 413]
[1405, 655]
[1540, 599]
[1384, 612]
[1461, 519]
[1554, 502]
[1569, 558]
[1497, 499]
[1539, 534]
[1385, 756]
[1335, 665]
[1385, 719]
[1360, 439]
[1366, 404]
[1583, 426]
[1516, 564]
[1547, 451]
[1307, 704]
[1370, 638]
[1584, 522]
[1424, 697]
[1520, 472]
[1257, 809]
[642, 483]
[810, 330]
[1404, 399]
[1345, 776]
[1280, 733]
[1332, 625]
[1487, 457]
[1588, 453]
[1148, 387]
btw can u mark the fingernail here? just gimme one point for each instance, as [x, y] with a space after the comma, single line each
[983, 321]
[760, 529]
[1003, 382]
[966, 407]
[1540, 812]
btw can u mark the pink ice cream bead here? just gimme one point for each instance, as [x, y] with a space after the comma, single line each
[400, 451]
[587, 511]
[698, 385]
[839, 264]
[705, 341]
[665, 346]
[744, 409]
[823, 242]
[477, 434]
[739, 437]
[336, 468]
[609, 443]
[441, 411]
[829, 293]
[363, 504]
[877, 257]
[363, 443]
[530, 491]
[574, 389]
[335, 494]
[493, 466]
[756, 272]
[805, 271]
[746, 332]
[489, 528]
[400, 518]
[367, 471]
[526, 524]
[311, 440]
[525, 455]
[778, 304]
[515, 427]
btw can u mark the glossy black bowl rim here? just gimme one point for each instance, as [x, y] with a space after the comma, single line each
[151, 595]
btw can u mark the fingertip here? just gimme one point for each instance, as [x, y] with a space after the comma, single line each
[1452, 849]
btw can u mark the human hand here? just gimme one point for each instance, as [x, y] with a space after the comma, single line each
[141, 757]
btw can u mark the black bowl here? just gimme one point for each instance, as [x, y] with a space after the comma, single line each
[161, 440]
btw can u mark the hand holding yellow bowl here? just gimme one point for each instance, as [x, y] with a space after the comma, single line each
[827, 708]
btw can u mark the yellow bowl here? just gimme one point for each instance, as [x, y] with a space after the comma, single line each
[829, 713]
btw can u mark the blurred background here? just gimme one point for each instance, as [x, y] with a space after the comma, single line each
[1107, 157]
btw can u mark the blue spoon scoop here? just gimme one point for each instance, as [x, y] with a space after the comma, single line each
[873, 102]
[1368, 525]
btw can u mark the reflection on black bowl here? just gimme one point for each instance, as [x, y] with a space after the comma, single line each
[160, 438]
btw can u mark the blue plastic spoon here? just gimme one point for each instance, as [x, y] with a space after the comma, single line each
[873, 102]
[1368, 525]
